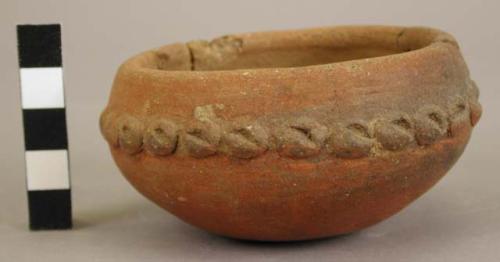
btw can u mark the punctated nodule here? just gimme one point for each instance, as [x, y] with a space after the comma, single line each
[476, 110]
[202, 139]
[247, 141]
[161, 137]
[130, 134]
[430, 125]
[459, 115]
[107, 124]
[352, 141]
[302, 138]
[394, 134]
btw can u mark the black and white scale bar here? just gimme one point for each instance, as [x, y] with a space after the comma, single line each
[45, 132]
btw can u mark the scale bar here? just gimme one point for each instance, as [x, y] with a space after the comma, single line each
[45, 131]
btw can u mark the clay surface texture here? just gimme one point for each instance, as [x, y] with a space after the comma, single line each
[292, 135]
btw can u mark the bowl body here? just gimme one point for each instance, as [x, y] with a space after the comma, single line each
[292, 135]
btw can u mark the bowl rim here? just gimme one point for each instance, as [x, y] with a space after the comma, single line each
[433, 39]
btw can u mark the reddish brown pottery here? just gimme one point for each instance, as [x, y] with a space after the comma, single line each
[292, 135]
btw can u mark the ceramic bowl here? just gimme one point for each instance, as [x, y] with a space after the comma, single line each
[292, 135]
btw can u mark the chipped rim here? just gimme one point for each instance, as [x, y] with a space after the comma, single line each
[434, 38]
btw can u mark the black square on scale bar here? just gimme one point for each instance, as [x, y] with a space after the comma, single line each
[45, 129]
[50, 209]
[39, 45]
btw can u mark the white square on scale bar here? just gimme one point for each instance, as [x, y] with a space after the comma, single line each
[47, 169]
[42, 87]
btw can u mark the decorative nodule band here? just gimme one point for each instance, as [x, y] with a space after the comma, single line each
[303, 137]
